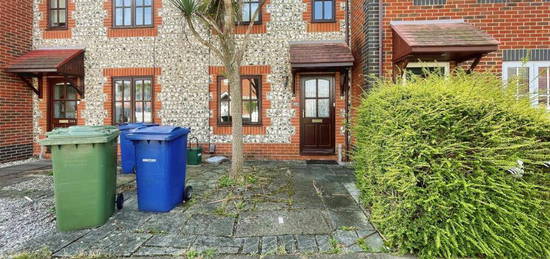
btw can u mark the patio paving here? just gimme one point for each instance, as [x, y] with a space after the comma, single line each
[283, 208]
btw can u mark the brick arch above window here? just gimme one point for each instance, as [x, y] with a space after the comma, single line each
[131, 31]
[49, 32]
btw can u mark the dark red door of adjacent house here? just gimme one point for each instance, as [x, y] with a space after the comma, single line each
[63, 104]
[317, 122]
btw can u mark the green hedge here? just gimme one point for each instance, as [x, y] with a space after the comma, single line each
[431, 159]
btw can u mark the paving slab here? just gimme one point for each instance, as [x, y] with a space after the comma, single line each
[269, 245]
[340, 202]
[354, 218]
[221, 245]
[119, 244]
[375, 243]
[180, 240]
[323, 242]
[265, 223]
[204, 224]
[150, 251]
[307, 244]
[288, 243]
[347, 238]
[251, 245]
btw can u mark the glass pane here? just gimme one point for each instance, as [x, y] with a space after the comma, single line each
[246, 88]
[311, 108]
[139, 2]
[324, 108]
[311, 88]
[225, 111]
[323, 88]
[127, 16]
[148, 2]
[70, 109]
[127, 93]
[318, 5]
[71, 93]
[139, 112]
[53, 18]
[148, 112]
[59, 92]
[253, 8]
[118, 3]
[148, 15]
[62, 17]
[224, 90]
[118, 90]
[247, 108]
[118, 112]
[328, 10]
[53, 3]
[62, 3]
[127, 3]
[126, 116]
[119, 17]
[543, 83]
[148, 90]
[139, 90]
[246, 12]
[58, 109]
[139, 16]
[254, 112]
[523, 80]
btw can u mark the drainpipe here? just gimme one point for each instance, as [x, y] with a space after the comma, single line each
[347, 23]
[380, 37]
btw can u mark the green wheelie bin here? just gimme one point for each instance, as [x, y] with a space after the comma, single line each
[84, 166]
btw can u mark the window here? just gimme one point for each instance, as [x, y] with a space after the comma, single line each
[133, 100]
[422, 69]
[531, 79]
[133, 13]
[323, 10]
[57, 14]
[64, 101]
[251, 100]
[248, 11]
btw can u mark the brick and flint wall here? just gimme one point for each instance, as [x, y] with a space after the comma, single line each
[16, 105]
[183, 70]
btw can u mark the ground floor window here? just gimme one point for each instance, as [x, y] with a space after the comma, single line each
[133, 99]
[531, 79]
[251, 96]
[423, 69]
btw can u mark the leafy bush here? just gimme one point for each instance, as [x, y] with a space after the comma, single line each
[431, 160]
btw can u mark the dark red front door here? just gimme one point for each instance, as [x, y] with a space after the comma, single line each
[317, 123]
[63, 104]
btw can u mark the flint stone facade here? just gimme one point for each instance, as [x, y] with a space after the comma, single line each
[184, 63]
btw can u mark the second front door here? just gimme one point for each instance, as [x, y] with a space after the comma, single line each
[317, 120]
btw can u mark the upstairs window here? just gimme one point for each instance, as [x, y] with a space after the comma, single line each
[133, 13]
[251, 96]
[249, 9]
[57, 14]
[323, 11]
[133, 99]
[530, 79]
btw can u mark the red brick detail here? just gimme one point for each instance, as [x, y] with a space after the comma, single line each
[358, 41]
[132, 32]
[16, 110]
[270, 151]
[325, 26]
[262, 71]
[256, 28]
[516, 24]
[109, 73]
[56, 33]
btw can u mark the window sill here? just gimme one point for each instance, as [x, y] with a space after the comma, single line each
[115, 32]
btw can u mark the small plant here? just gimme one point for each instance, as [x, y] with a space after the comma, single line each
[226, 181]
[222, 211]
[363, 244]
[239, 205]
[209, 253]
[43, 253]
[335, 246]
[281, 250]
[250, 179]
[348, 228]
[192, 254]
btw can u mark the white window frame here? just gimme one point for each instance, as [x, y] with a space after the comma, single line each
[445, 65]
[533, 67]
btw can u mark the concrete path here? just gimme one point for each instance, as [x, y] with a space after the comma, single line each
[287, 209]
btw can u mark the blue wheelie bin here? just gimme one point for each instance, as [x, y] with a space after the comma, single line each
[127, 151]
[161, 158]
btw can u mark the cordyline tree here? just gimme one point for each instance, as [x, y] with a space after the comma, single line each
[221, 17]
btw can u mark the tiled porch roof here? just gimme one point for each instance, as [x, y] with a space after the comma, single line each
[43, 60]
[320, 54]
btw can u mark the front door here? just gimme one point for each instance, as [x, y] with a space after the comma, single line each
[63, 104]
[317, 123]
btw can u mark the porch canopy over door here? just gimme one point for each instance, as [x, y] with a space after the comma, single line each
[68, 63]
[439, 40]
[321, 56]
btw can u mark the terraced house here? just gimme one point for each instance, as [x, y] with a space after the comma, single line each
[94, 62]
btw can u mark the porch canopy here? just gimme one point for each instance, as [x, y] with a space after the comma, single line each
[68, 63]
[440, 40]
[321, 56]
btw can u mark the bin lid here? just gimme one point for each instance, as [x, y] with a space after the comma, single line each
[128, 126]
[80, 135]
[164, 133]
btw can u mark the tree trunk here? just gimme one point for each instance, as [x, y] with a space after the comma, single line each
[237, 158]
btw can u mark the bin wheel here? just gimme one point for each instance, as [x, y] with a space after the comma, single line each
[188, 193]
[119, 201]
